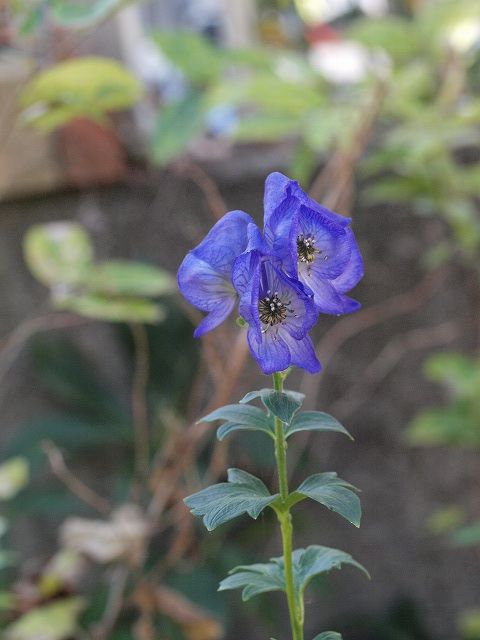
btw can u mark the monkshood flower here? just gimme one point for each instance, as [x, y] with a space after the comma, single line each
[205, 275]
[279, 313]
[314, 244]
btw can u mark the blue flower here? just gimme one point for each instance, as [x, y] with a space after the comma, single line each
[205, 275]
[279, 313]
[315, 245]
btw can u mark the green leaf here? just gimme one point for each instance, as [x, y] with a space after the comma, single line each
[328, 635]
[307, 563]
[89, 87]
[295, 396]
[58, 252]
[266, 127]
[397, 36]
[315, 421]
[469, 624]
[125, 278]
[100, 307]
[176, 126]
[57, 621]
[14, 476]
[243, 493]
[282, 405]
[200, 61]
[334, 493]
[467, 536]
[240, 417]
[80, 13]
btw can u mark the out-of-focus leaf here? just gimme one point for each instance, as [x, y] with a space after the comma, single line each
[243, 493]
[468, 536]
[328, 635]
[452, 426]
[88, 87]
[57, 621]
[459, 372]
[81, 13]
[199, 60]
[7, 600]
[121, 309]
[397, 36]
[445, 520]
[469, 624]
[125, 278]
[177, 125]
[7, 559]
[62, 571]
[266, 127]
[14, 476]
[121, 537]
[333, 124]
[58, 252]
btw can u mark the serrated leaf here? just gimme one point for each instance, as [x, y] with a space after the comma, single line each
[307, 563]
[89, 87]
[58, 252]
[74, 14]
[240, 417]
[14, 476]
[121, 309]
[315, 421]
[328, 635]
[125, 278]
[334, 493]
[57, 621]
[243, 493]
[176, 126]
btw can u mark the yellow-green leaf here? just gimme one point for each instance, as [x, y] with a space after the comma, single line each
[124, 278]
[57, 621]
[14, 475]
[58, 252]
[88, 87]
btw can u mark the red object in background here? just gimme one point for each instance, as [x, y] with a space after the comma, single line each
[91, 154]
[321, 33]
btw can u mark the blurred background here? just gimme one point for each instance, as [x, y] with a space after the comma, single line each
[127, 128]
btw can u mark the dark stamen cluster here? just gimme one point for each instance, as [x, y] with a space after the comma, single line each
[272, 310]
[306, 249]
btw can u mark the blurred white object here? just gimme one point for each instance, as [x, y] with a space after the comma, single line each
[341, 62]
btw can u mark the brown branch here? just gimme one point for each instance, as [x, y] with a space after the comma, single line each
[334, 185]
[76, 486]
[387, 360]
[11, 345]
[113, 608]
[205, 183]
[139, 400]
[350, 326]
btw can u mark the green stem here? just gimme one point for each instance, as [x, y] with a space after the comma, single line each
[295, 607]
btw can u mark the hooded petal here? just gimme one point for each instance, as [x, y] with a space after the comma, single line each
[305, 199]
[226, 240]
[276, 186]
[246, 280]
[204, 277]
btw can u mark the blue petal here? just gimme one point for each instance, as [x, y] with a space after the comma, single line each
[246, 280]
[226, 240]
[302, 354]
[217, 315]
[353, 271]
[270, 351]
[201, 284]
